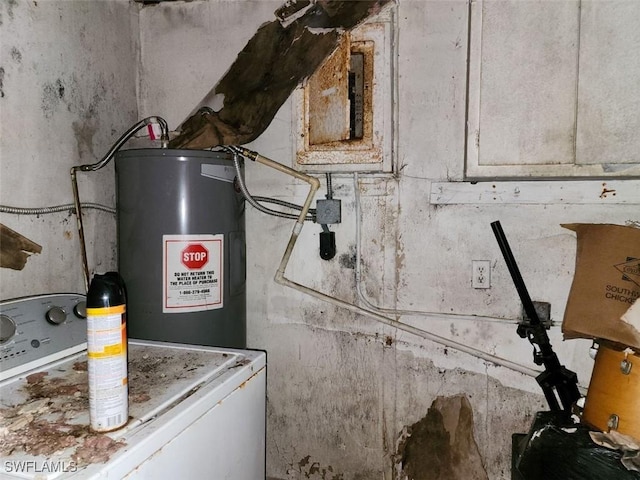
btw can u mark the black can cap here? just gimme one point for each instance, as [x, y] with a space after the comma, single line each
[106, 290]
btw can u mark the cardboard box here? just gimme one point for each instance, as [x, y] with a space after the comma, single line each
[605, 285]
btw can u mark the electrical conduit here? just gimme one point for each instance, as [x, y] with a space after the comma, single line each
[281, 279]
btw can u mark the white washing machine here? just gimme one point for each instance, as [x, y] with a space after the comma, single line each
[194, 412]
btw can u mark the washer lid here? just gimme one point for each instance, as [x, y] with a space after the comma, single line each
[44, 415]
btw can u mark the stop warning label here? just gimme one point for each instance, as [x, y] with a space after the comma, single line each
[194, 256]
[192, 272]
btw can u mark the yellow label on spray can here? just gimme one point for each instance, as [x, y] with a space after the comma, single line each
[107, 367]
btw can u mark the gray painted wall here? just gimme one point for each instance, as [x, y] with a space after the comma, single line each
[68, 85]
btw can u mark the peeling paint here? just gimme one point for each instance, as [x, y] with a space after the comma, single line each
[322, 31]
[441, 445]
[306, 468]
[217, 103]
[292, 10]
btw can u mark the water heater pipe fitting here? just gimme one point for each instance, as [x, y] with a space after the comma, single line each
[314, 184]
[253, 201]
[164, 138]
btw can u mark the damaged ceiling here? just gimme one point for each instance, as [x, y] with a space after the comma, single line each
[279, 56]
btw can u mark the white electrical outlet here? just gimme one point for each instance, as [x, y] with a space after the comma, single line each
[481, 273]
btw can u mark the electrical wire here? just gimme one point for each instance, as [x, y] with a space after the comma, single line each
[164, 140]
[329, 195]
[282, 203]
[70, 207]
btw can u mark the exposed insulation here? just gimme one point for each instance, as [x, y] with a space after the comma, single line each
[273, 63]
[15, 249]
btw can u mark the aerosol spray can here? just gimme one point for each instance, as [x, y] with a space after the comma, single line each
[107, 352]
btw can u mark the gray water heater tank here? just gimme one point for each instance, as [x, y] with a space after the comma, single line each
[181, 246]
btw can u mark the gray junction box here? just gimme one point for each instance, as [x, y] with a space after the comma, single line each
[181, 246]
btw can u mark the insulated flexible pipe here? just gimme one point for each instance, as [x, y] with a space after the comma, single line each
[253, 200]
[53, 209]
[164, 140]
[282, 280]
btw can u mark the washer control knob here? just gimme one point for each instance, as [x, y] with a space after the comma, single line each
[7, 328]
[56, 315]
[80, 310]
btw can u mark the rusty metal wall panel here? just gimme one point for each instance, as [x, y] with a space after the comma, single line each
[328, 98]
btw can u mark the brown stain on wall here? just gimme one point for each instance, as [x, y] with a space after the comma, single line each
[441, 445]
[84, 131]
